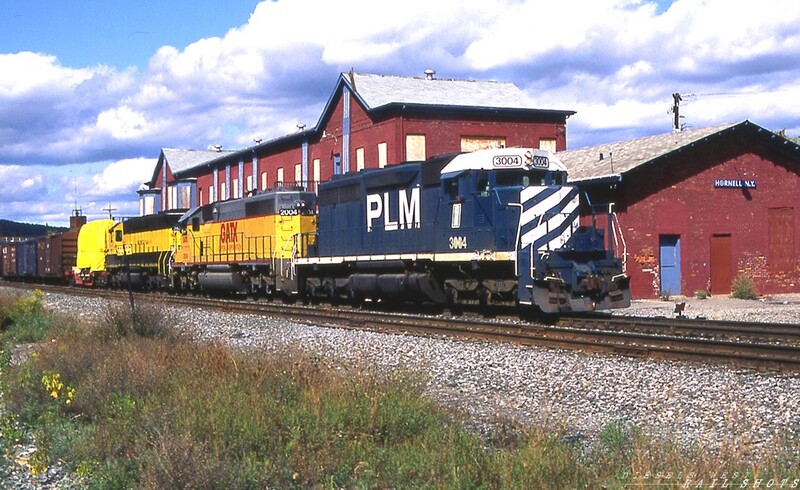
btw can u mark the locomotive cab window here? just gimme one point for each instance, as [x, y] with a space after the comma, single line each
[118, 236]
[483, 184]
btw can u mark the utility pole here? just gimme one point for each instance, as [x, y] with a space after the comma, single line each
[110, 209]
[676, 97]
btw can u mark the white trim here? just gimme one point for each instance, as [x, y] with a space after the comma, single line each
[486, 256]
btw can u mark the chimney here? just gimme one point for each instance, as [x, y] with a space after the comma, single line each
[76, 220]
[429, 74]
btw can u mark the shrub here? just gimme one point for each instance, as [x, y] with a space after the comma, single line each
[744, 287]
[24, 318]
[147, 320]
[701, 294]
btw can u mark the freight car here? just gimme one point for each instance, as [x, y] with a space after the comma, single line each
[49, 258]
[94, 245]
[492, 226]
[244, 245]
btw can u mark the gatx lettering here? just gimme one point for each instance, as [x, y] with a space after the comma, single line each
[382, 206]
[228, 232]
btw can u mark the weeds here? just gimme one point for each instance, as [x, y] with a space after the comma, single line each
[130, 407]
[24, 319]
[744, 287]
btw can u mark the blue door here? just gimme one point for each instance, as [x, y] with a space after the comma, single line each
[670, 261]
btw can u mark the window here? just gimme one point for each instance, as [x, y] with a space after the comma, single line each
[222, 195]
[382, 155]
[279, 179]
[263, 181]
[185, 196]
[210, 194]
[473, 143]
[298, 174]
[200, 197]
[337, 164]
[780, 223]
[249, 183]
[548, 144]
[415, 147]
[359, 159]
[235, 190]
[172, 198]
[315, 177]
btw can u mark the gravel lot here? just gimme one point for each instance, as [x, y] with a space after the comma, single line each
[712, 407]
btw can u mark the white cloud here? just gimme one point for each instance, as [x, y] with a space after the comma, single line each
[616, 62]
[124, 176]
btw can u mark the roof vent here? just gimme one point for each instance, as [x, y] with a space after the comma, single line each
[218, 148]
[301, 127]
[257, 141]
[430, 74]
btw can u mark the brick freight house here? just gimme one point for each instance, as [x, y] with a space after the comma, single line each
[697, 208]
[369, 121]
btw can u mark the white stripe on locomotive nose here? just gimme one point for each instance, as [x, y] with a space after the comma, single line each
[551, 224]
[541, 208]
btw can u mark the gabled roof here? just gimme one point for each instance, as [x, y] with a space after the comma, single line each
[613, 160]
[381, 90]
[180, 160]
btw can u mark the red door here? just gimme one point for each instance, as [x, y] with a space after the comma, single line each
[721, 264]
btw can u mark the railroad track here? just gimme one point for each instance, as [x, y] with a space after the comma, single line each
[762, 346]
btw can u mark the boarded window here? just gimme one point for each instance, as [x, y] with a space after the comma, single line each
[315, 177]
[359, 159]
[474, 143]
[235, 189]
[415, 147]
[781, 238]
[382, 155]
[263, 181]
[279, 180]
[298, 174]
[548, 144]
[184, 197]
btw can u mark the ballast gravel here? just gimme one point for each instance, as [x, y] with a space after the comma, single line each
[713, 408]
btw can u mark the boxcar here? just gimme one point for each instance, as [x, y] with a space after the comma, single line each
[27, 252]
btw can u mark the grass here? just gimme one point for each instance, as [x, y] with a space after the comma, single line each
[132, 405]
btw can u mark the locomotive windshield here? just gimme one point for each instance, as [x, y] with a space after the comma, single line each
[526, 178]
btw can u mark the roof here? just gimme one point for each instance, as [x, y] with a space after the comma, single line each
[381, 90]
[613, 160]
[180, 159]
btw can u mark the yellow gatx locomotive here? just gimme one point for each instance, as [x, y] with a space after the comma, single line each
[244, 245]
[142, 250]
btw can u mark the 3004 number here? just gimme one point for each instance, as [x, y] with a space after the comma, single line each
[458, 242]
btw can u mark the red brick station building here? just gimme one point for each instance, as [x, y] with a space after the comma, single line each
[692, 209]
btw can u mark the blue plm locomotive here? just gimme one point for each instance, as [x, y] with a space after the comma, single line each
[474, 228]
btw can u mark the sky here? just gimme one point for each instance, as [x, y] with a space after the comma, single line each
[91, 91]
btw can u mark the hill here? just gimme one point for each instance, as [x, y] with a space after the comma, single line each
[14, 229]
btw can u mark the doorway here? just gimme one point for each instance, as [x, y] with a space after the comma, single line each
[669, 247]
[721, 264]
